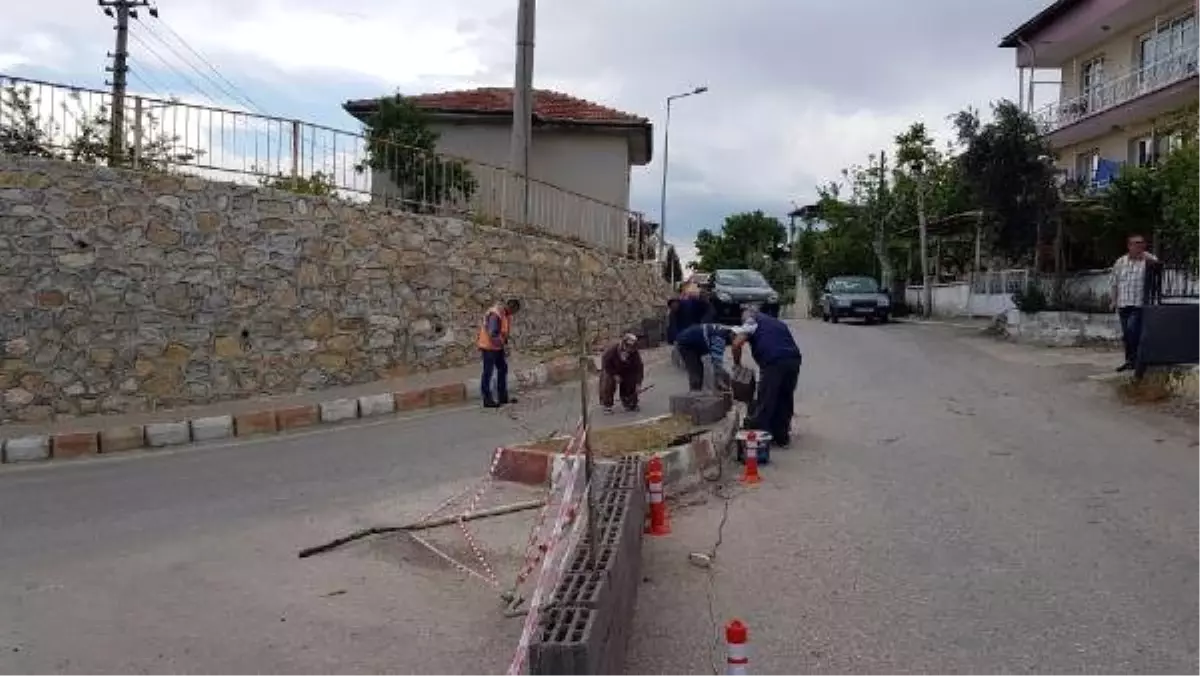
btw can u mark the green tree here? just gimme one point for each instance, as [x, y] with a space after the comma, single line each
[402, 146]
[671, 269]
[1007, 164]
[750, 240]
[22, 131]
[1181, 200]
[91, 144]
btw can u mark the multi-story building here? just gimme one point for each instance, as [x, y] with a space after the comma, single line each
[1128, 69]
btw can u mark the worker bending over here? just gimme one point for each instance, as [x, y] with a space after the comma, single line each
[621, 369]
[697, 342]
[493, 348]
[778, 358]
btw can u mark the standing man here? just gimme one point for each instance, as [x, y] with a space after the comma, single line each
[697, 342]
[621, 368]
[493, 347]
[1130, 294]
[778, 357]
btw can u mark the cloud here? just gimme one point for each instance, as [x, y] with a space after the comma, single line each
[798, 89]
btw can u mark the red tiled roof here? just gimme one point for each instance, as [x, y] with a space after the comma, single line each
[548, 105]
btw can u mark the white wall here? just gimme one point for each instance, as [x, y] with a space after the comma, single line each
[581, 178]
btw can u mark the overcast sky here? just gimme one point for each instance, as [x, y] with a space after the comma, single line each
[798, 88]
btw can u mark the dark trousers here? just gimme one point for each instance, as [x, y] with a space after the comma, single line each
[693, 361]
[611, 383]
[775, 402]
[495, 362]
[1131, 330]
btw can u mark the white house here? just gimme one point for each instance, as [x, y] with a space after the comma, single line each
[581, 154]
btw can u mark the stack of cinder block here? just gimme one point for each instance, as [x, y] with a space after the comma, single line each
[704, 408]
[584, 628]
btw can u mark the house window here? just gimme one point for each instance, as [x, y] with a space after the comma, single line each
[1165, 53]
[1141, 151]
[1168, 143]
[1085, 167]
[1091, 82]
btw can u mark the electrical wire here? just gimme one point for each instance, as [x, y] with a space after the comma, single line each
[206, 62]
[171, 48]
[167, 64]
[144, 80]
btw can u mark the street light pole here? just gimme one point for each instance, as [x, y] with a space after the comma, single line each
[662, 203]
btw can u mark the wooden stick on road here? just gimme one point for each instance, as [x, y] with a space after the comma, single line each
[423, 525]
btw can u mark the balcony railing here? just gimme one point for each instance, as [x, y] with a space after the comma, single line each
[1164, 72]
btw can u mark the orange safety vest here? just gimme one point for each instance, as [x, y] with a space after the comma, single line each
[485, 339]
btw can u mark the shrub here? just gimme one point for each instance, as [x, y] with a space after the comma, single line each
[1031, 299]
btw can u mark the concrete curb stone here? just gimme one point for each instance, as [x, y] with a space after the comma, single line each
[74, 445]
[175, 433]
[376, 404]
[212, 428]
[159, 435]
[338, 410]
[27, 449]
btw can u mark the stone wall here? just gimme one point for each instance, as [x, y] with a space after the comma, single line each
[128, 292]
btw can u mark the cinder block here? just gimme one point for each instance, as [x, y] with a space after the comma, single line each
[296, 417]
[212, 428]
[566, 643]
[338, 410]
[411, 400]
[74, 445]
[27, 449]
[702, 407]
[115, 439]
[258, 422]
[376, 404]
[167, 434]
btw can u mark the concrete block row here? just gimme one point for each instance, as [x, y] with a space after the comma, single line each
[86, 442]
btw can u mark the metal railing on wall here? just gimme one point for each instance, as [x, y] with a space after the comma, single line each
[74, 123]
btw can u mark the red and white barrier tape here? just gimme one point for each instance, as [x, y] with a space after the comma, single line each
[565, 524]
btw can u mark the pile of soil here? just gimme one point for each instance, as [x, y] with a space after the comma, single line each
[614, 442]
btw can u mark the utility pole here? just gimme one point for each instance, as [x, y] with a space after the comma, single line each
[926, 285]
[523, 105]
[121, 10]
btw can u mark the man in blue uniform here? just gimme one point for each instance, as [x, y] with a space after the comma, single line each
[778, 357]
[697, 342]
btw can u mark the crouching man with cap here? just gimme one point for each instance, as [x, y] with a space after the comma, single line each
[777, 355]
[621, 370]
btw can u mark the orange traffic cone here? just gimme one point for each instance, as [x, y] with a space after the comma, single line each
[736, 637]
[750, 466]
[658, 524]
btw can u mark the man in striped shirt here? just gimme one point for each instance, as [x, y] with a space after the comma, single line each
[1129, 294]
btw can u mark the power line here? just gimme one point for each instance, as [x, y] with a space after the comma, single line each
[211, 67]
[146, 81]
[183, 76]
[221, 88]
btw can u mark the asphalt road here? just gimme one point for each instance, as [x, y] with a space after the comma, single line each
[953, 505]
[186, 561]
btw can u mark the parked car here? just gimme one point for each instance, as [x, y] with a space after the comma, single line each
[731, 290]
[855, 296]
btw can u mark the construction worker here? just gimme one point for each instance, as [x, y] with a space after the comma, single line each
[621, 369]
[778, 358]
[493, 347]
[697, 342]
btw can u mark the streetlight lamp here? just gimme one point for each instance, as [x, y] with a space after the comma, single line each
[662, 204]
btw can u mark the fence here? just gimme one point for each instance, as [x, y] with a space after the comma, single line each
[75, 123]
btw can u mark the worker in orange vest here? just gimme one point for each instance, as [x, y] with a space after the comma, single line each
[493, 347]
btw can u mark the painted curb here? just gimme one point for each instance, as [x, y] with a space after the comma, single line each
[680, 463]
[105, 440]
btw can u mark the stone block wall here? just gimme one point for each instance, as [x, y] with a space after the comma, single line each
[125, 291]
